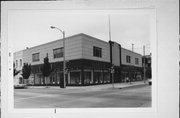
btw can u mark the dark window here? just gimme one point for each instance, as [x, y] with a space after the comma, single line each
[136, 61]
[58, 52]
[35, 57]
[128, 59]
[97, 52]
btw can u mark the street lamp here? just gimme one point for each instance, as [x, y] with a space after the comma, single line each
[63, 32]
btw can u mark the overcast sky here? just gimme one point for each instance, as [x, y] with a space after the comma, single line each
[30, 28]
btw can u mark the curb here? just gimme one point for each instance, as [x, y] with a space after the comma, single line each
[99, 87]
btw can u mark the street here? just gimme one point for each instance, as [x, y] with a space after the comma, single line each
[134, 96]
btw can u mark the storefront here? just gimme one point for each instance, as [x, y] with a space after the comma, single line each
[80, 72]
[131, 73]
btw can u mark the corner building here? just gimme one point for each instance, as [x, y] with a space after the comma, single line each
[88, 61]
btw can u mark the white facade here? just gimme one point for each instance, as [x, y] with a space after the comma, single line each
[76, 47]
[87, 48]
[133, 56]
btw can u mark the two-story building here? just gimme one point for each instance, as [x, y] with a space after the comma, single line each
[146, 63]
[88, 61]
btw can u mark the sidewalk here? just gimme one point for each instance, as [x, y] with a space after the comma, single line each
[106, 86]
[95, 87]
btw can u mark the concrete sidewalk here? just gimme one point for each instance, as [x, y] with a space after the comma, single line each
[96, 87]
[107, 86]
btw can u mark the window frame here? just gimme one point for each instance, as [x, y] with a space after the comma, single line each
[35, 60]
[16, 63]
[137, 61]
[20, 62]
[56, 55]
[128, 59]
[97, 51]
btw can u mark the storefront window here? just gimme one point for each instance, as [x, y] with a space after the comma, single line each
[38, 78]
[75, 77]
[106, 77]
[97, 77]
[87, 77]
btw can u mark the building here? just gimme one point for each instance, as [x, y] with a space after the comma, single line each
[88, 60]
[18, 64]
[126, 63]
[146, 63]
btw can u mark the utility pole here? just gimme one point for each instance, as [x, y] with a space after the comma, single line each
[112, 66]
[144, 64]
[63, 84]
[109, 28]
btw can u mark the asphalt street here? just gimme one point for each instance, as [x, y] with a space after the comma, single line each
[134, 96]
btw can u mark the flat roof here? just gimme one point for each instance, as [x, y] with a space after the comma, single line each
[66, 38]
[131, 51]
[80, 34]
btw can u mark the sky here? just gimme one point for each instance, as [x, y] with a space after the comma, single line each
[28, 28]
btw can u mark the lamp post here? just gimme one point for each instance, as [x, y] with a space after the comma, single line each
[64, 80]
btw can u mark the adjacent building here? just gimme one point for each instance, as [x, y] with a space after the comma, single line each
[18, 64]
[146, 61]
[88, 60]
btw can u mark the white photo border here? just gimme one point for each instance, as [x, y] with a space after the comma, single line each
[7, 69]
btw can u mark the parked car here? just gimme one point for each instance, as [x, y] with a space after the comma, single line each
[150, 81]
[20, 86]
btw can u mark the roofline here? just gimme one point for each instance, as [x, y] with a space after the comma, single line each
[79, 34]
[126, 49]
[93, 38]
[54, 41]
[66, 38]
[132, 51]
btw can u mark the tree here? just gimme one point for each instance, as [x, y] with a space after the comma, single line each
[15, 71]
[46, 68]
[26, 71]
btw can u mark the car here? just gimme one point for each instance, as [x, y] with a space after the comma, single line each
[150, 81]
[20, 86]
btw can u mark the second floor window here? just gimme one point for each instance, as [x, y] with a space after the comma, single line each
[58, 52]
[97, 52]
[20, 62]
[35, 57]
[136, 61]
[16, 63]
[128, 59]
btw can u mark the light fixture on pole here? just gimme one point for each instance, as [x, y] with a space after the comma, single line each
[64, 79]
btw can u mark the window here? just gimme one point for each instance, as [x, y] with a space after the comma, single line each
[58, 52]
[35, 57]
[97, 52]
[16, 63]
[20, 62]
[136, 61]
[128, 59]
